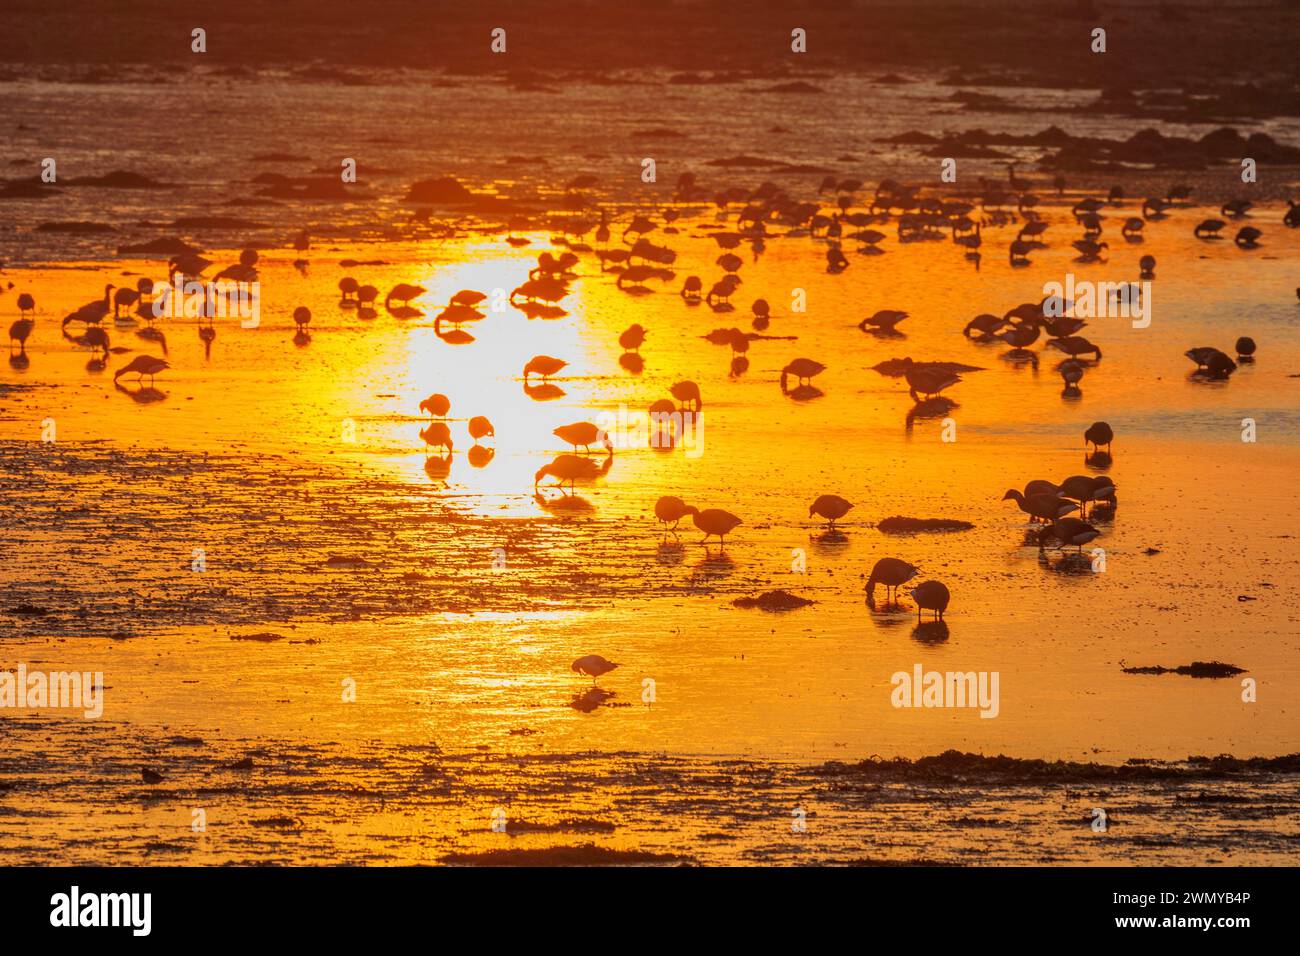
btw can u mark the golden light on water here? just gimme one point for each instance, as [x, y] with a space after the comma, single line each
[452, 593]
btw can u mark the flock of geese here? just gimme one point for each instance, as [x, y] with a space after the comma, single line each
[638, 262]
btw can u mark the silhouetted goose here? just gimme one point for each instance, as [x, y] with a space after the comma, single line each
[1104, 489]
[1040, 487]
[403, 292]
[1088, 249]
[1148, 266]
[1063, 326]
[1133, 226]
[302, 317]
[802, 369]
[985, 324]
[92, 313]
[885, 320]
[366, 295]
[348, 289]
[1218, 365]
[245, 270]
[835, 260]
[1154, 208]
[1020, 336]
[568, 468]
[468, 297]
[142, 365]
[1245, 348]
[124, 298]
[1236, 208]
[931, 596]
[713, 522]
[1084, 488]
[723, 289]
[480, 427]
[830, 507]
[543, 365]
[26, 303]
[1074, 346]
[1070, 531]
[892, 573]
[191, 266]
[583, 433]
[1041, 507]
[692, 288]
[593, 666]
[1098, 434]
[1071, 372]
[437, 405]
[1209, 229]
[927, 382]
[631, 339]
[18, 332]
[672, 509]
[1205, 356]
[1247, 237]
[1019, 252]
[687, 392]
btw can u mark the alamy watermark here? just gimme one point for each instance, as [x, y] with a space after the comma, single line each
[923, 688]
[657, 429]
[194, 299]
[20, 690]
[1085, 299]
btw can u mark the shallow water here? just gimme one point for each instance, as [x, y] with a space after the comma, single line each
[242, 454]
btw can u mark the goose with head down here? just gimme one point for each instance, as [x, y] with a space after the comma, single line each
[830, 507]
[892, 573]
[1067, 531]
[802, 369]
[1041, 507]
[931, 596]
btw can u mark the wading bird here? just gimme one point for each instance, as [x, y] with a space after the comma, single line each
[543, 365]
[1098, 434]
[830, 507]
[893, 573]
[585, 434]
[1041, 507]
[713, 521]
[631, 339]
[142, 365]
[802, 369]
[931, 596]
[670, 508]
[567, 468]
[686, 392]
[593, 666]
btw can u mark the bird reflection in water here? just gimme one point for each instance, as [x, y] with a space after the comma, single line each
[931, 632]
[544, 392]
